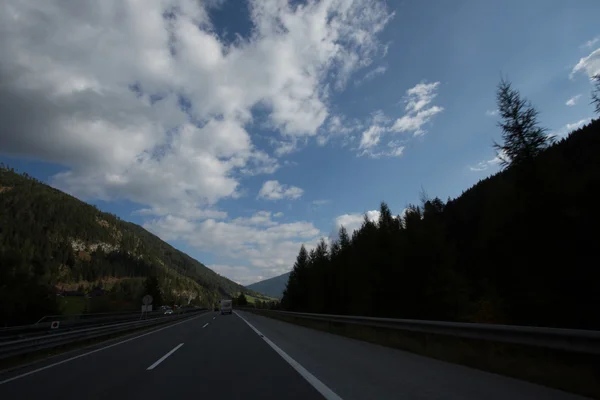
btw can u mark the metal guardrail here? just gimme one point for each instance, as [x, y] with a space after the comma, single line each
[62, 317]
[29, 345]
[82, 321]
[572, 340]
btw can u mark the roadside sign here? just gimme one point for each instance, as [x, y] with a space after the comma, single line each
[147, 308]
[54, 325]
[147, 299]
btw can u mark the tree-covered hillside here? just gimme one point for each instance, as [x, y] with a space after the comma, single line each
[519, 247]
[50, 241]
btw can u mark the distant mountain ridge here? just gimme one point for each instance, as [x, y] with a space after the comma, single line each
[273, 287]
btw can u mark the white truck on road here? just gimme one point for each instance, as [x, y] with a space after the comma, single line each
[226, 307]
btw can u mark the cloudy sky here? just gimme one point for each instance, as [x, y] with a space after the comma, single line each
[237, 130]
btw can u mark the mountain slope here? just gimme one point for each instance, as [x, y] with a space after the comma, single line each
[273, 287]
[53, 241]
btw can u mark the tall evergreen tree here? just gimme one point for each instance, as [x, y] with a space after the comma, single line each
[242, 300]
[596, 93]
[334, 250]
[523, 138]
[319, 276]
[344, 239]
[386, 219]
[294, 296]
[341, 271]
[321, 252]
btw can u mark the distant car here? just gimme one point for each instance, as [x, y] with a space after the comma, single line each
[168, 312]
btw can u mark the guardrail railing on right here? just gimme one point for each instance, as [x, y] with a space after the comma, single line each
[566, 359]
[583, 341]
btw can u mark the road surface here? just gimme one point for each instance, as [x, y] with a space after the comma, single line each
[252, 357]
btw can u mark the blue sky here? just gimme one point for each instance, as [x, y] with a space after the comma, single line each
[239, 130]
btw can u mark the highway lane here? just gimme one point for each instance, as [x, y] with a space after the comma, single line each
[230, 361]
[219, 357]
[357, 370]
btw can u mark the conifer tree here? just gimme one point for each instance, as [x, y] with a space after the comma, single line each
[523, 138]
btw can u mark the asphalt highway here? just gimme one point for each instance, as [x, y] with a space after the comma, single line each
[245, 356]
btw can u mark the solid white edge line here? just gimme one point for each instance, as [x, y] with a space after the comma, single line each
[205, 325]
[313, 380]
[93, 351]
[163, 358]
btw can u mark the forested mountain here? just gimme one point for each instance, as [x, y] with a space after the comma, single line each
[50, 241]
[273, 287]
[519, 247]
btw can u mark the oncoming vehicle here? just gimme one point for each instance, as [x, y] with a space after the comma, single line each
[226, 307]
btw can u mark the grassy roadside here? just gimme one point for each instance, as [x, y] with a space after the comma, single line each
[571, 372]
[253, 299]
[72, 305]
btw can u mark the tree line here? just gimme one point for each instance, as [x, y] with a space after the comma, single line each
[519, 247]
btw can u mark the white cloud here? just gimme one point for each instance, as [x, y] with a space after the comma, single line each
[339, 125]
[189, 211]
[144, 101]
[339, 128]
[343, 130]
[318, 204]
[322, 140]
[268, 248]
[378, 117]
[260, 218]
[590, 43]
[273, 190]
[570, 127]
[372, 74]
[375, 72]
[237, 273]
[396, 149]
[419, 111]
[420, 96]
[371, 137]
[414, 122]
[285, 147]
[491, 113]
[577, 125]
[573, 100]
[171, 227]
[486, 164]
[590, 64]
[354, 221]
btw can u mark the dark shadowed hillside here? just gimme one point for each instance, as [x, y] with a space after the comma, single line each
[519, 247]
[273, 287]
[50, 241]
